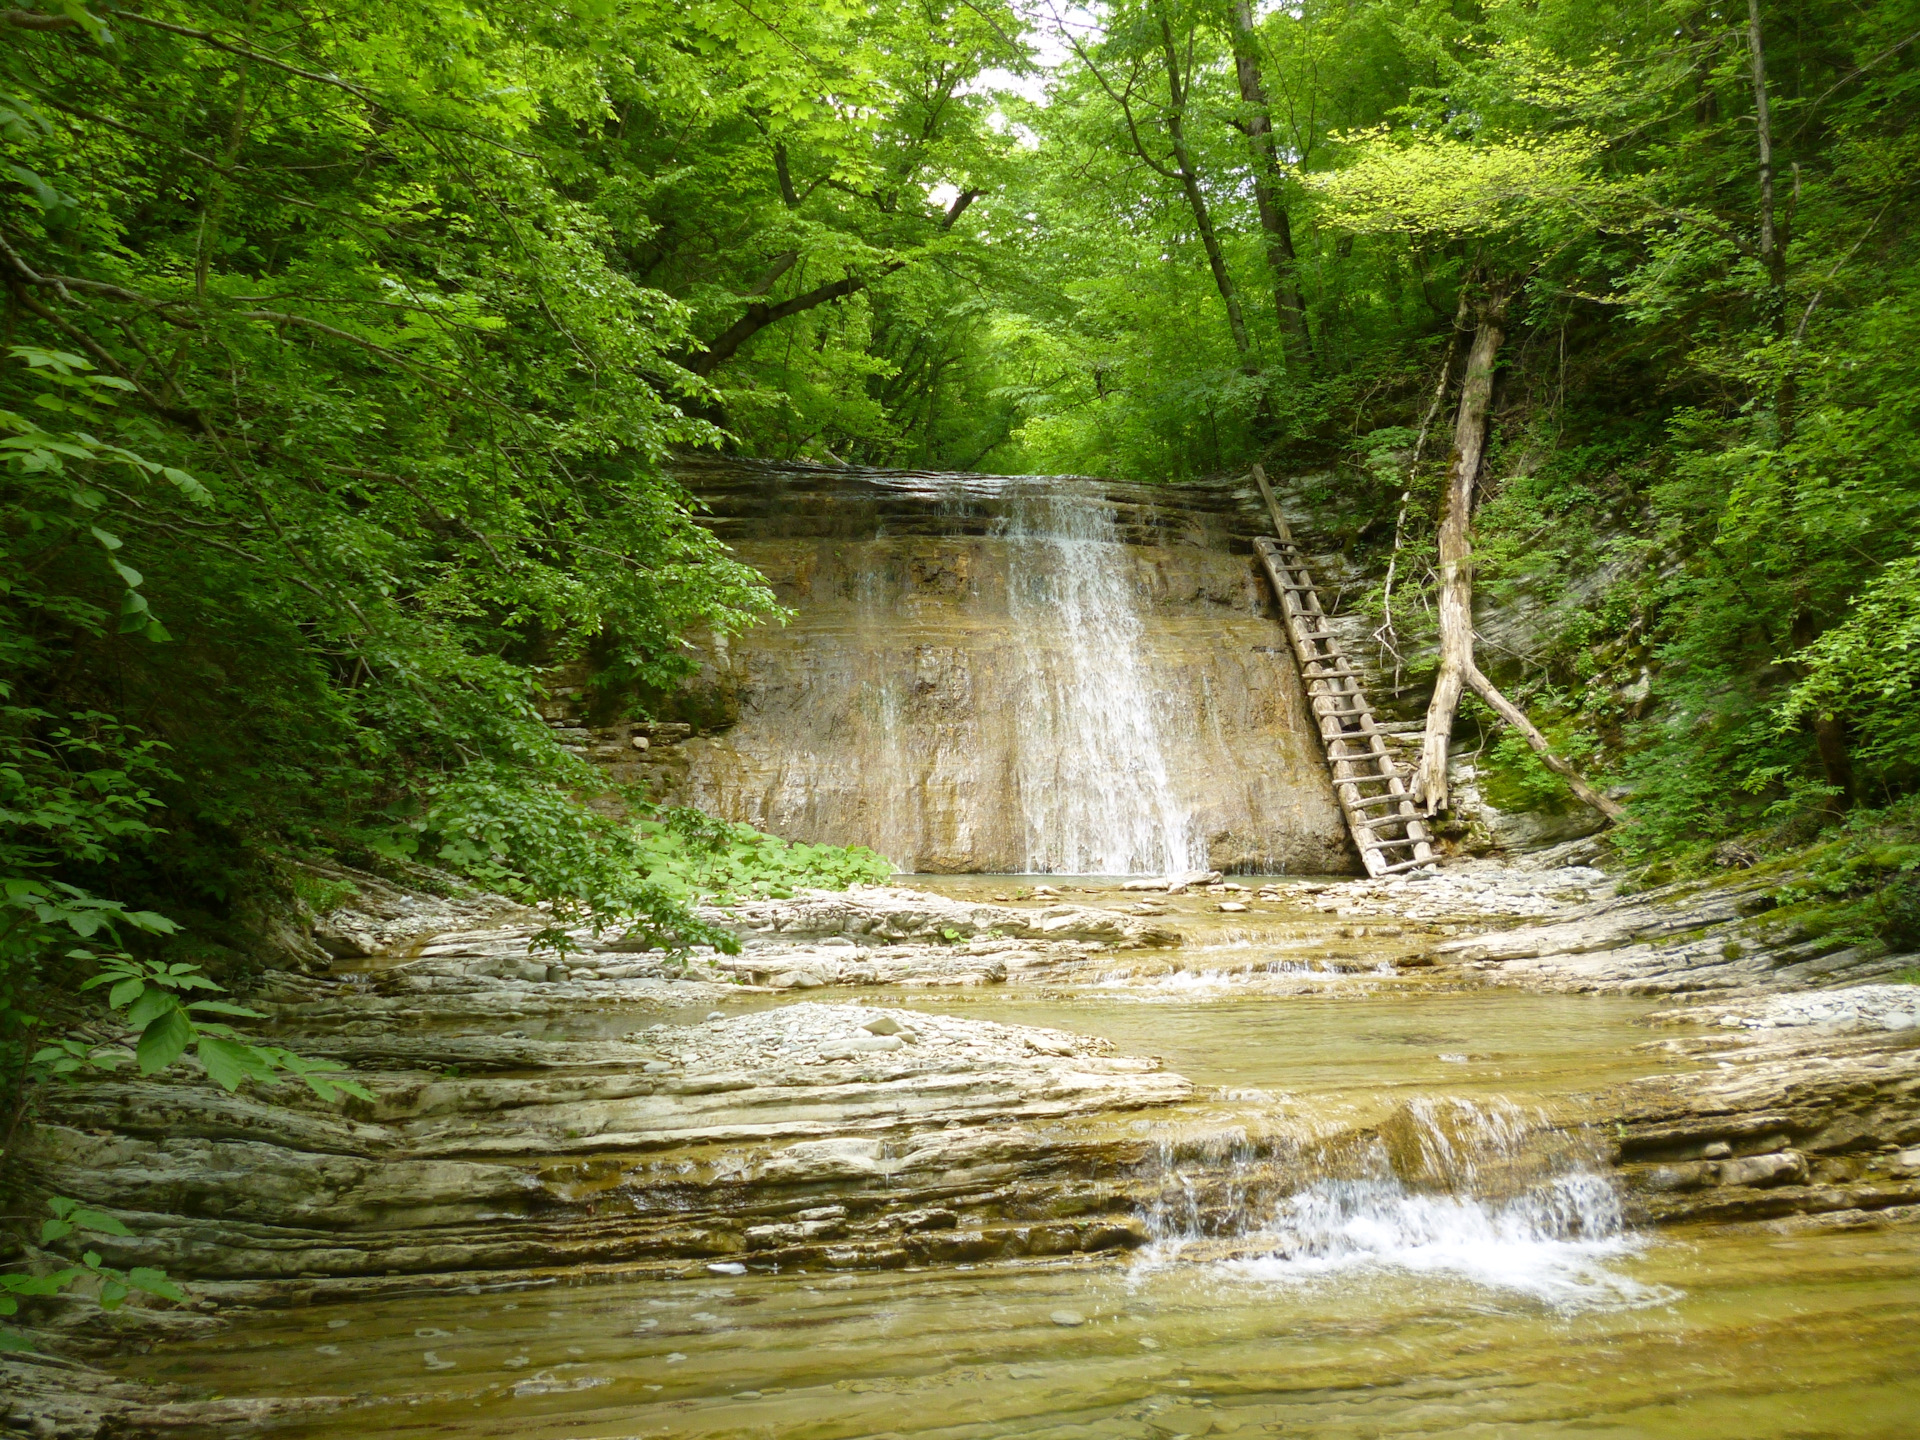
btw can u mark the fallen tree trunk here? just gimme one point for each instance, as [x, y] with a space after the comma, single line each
[1517, 718]
[1458, 670]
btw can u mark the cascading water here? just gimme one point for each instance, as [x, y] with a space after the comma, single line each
[1489, 1195]
[1007, 674]
[1091, 768]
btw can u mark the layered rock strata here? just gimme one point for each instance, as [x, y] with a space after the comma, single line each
[538, 1119]
[926, 698]
[1809, 1118]
[481, 1153]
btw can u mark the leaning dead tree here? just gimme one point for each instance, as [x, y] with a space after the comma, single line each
[1458, 670]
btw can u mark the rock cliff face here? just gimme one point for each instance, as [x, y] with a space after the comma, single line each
[989, 674]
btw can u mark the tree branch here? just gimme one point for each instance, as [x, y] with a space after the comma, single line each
[34, 20]
[1516, 717]
[759, 316]
[958, 207]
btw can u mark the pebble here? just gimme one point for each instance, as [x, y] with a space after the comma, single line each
[716, 1015]
[1068, 1318]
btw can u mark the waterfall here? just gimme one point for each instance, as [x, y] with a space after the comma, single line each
[1091, 766]
[1488, 1194]
[994, 673]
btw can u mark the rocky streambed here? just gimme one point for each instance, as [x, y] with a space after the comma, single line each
[894, 1081]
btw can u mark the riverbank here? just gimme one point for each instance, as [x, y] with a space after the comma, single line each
[983, 1071]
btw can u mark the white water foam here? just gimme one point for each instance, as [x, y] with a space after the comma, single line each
[1481, 1193]
[1550, 1245]
[1091, 767]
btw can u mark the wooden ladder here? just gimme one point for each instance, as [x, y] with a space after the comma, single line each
[1386, 824]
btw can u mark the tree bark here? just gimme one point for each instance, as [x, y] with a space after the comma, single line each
[1458, 669]
[1190, 183]
[1772, 255]
[1268, 187]
[1456, 555]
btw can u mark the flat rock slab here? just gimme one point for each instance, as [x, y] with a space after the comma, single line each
[663, 1144]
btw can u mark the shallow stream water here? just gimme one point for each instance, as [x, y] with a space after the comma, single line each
[1479, 1280]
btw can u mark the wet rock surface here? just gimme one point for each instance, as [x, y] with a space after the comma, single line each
[598, 1115]
[667, 1145]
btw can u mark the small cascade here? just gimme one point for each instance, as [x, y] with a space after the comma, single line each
[1486, 1193]
[1091, 767]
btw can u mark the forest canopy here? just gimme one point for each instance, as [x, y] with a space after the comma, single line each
[347, 347]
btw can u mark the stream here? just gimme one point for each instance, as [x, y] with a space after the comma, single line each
[1465, 1271]
[1039, 1154]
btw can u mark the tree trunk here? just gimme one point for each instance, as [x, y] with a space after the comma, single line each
[1456, 555]
[1773, 247]
[759, 316]
[1268, 187]
[1457, 667]
[1771, 253]
[1517, 718]
[1190, 183]
[1386, 636]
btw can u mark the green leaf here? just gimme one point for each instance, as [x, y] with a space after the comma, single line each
[231, 1062]
[95, 1220]
[50, 199]
[164, 1041]
[187, 485]
[153, 1002]
[125, 992]
[155, 1282]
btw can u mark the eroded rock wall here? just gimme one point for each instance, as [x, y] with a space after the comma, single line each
[981, 675]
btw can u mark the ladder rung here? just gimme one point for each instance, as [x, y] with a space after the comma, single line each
[1360, 801]
[1378, 844]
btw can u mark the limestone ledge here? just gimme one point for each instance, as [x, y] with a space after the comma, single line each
[888, 913]
[1694, 937]
[1807, 1120]
[1852, 1008]
[672, 1143]
[868, 935]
